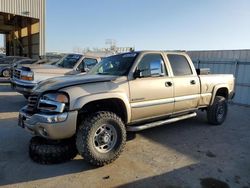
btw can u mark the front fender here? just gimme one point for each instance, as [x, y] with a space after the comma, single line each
[81, 101]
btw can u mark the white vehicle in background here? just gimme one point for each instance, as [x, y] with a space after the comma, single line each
[26, 77]
[7, 62]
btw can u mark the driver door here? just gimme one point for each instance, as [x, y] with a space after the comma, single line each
[151, 95]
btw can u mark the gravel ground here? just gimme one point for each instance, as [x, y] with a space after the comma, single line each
[190, 153]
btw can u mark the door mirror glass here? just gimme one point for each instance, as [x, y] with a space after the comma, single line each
[156, 68]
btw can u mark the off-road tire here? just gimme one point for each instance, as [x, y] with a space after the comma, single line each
[85, 135]
[45, 151]
[217, 112]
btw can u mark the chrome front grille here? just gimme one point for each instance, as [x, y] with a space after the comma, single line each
[32, 103]
[17, 73]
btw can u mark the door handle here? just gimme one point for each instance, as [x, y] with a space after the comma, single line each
[192, 82]
[168, 84]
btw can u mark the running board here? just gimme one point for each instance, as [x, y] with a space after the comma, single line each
[159, 123]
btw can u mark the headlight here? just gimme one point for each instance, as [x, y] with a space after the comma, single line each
[58, 97]
[54, 102]
[25, 75]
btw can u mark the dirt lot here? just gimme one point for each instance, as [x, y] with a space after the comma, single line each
[186, 154]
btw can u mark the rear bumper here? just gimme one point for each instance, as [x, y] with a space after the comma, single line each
[22, 87]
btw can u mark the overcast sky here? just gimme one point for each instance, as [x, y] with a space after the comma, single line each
[148, 24]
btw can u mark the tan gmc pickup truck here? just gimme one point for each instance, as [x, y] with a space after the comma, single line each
[126, 92]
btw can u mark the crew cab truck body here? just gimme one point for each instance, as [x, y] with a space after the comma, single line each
[127, 92]
[26, 77]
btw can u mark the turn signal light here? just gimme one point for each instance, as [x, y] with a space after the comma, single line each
[26, 78]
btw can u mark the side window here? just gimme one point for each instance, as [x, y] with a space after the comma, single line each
[180, 65]
[87, 63]
[152, 65]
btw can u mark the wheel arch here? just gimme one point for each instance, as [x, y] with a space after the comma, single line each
[118, 104]
[220, 90]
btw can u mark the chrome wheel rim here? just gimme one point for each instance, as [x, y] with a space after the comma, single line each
[105, 138]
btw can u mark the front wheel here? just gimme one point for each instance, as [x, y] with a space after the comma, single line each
[6, 73]
[101, 138]
[217, 112]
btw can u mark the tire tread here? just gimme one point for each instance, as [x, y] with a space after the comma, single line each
[43, 152]
[84, 136]
[212, 110]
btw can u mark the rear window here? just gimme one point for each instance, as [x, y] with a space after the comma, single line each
[180, 65]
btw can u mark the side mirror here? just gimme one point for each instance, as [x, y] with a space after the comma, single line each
[86, 69]
[203, 71]
[137, 74]
[82, 69]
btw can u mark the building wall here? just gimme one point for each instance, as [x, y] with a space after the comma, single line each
[222, 55]
[21, 7]
[235, 62]
[28, 8]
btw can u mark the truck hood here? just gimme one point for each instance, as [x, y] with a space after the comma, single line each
[47, 69]
[66, 81]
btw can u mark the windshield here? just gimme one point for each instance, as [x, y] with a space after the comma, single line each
[69, 61]
[117, 65]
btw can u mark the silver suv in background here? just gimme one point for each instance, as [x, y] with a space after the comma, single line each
[26, 77]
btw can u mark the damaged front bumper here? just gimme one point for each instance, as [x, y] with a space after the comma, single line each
[51, 126]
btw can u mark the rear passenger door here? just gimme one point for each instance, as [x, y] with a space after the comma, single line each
[186, 83]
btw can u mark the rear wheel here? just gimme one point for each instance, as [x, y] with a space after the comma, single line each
[217, 112]
[101, 138]
[6, 73]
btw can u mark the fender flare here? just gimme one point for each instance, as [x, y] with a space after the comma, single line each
[215, 89]
[81, 101]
